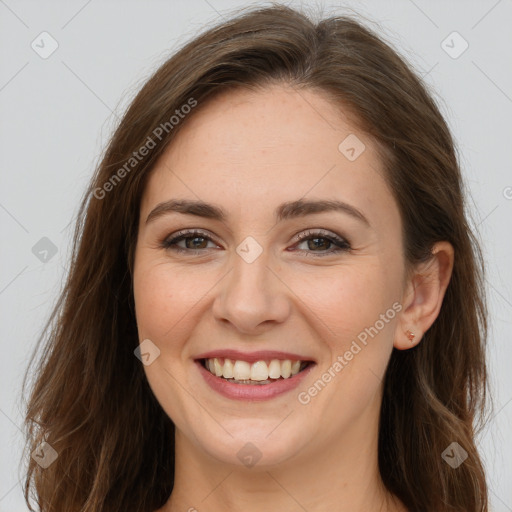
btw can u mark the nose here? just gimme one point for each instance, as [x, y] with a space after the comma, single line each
[252, 297]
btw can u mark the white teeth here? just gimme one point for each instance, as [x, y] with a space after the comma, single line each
[286, 368]
[242, 370]
[227, 371]
[259, 371]
[274, 369]
[295, 367]
[217, 367]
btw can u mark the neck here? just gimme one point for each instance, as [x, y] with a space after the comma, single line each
[337, 474]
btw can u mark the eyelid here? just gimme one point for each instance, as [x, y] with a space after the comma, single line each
[319, 232]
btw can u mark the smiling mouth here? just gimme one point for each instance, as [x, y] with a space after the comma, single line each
[257, 373]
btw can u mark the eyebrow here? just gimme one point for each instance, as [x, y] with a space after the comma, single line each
[285, 211]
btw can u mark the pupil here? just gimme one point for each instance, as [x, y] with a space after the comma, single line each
[193, 240]
[317, 245]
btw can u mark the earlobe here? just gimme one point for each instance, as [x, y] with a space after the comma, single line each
[424, 296]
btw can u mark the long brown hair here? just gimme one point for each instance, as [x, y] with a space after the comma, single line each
[90, 400]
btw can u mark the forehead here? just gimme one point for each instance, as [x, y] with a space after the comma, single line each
[248, 150]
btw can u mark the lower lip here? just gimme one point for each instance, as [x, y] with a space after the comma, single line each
[252, 392]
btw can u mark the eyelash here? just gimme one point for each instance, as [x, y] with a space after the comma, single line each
[341, 244]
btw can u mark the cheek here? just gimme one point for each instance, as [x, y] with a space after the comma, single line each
[165, 297]
[152, 301]
[347, 299]
[158, 300]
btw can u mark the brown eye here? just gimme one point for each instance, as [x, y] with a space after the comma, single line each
[193, 241]
[319, 243]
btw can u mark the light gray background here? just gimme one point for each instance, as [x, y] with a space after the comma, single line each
[57, 113]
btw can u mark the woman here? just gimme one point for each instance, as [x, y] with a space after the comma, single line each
[275, 301]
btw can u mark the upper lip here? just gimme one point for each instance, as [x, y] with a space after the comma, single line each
[252, 357]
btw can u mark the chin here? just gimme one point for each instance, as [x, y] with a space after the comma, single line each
[254, 443]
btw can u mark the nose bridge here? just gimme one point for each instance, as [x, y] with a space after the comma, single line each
[251, 294]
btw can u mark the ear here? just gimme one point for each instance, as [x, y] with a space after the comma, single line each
[423, 296]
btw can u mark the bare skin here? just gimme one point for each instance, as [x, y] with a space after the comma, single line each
[248, 153]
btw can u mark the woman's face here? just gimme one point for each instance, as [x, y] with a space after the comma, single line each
[245, 288]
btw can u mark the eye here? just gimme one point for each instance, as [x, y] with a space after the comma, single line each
[321, 240]
[195, 241]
